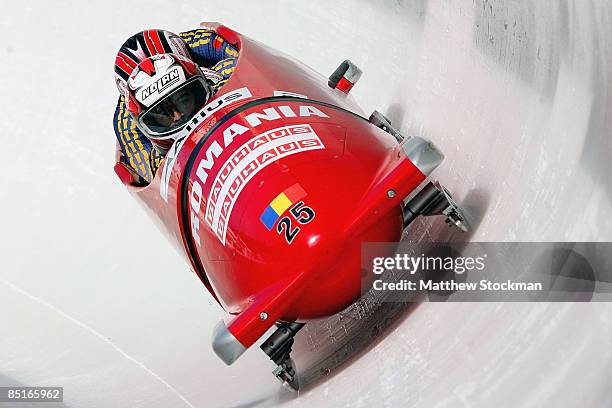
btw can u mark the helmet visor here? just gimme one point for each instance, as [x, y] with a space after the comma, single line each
[177, 108]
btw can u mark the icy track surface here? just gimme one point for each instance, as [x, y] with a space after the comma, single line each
[92, 298]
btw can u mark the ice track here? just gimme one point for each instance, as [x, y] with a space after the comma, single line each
[518, 94]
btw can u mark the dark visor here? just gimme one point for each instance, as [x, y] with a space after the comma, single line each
[177, 108]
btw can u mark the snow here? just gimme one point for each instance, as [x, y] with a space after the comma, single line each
[517, 95]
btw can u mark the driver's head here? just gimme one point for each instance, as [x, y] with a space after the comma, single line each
[164, 92]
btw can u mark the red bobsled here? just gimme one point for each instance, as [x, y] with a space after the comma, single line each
[273, 189]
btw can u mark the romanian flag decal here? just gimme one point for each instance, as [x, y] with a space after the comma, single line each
[280, 204]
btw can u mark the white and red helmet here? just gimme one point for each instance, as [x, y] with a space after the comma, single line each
[143, 45]
[163, 92]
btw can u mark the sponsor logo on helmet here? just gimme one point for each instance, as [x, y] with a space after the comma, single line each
[155, 77]
[172, 77]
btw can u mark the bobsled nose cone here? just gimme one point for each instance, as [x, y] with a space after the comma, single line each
[225, 345]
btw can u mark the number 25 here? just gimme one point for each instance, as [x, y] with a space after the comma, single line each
[303, 215]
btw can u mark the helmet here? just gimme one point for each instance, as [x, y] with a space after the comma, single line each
[143, 45]
[164, 92]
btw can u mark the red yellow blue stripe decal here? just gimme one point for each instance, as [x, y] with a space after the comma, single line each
[280, 204]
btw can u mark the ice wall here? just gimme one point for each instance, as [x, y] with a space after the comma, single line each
[516, 93]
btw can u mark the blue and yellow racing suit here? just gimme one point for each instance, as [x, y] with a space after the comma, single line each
[209, 50]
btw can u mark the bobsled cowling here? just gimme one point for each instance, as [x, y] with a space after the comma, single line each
[275, 186]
